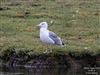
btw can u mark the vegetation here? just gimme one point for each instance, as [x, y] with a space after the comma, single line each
[76, 21]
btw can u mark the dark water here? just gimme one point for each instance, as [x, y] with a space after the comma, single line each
[46, 71]
[43, 71]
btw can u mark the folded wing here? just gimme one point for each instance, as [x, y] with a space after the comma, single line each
[55, 38]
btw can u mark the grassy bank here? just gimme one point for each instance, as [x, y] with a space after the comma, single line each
[76, 21]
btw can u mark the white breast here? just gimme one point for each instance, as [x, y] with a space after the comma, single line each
[44, 36]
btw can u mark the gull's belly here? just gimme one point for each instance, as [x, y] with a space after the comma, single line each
[45, 38]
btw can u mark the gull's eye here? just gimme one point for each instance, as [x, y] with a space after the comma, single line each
[42, 23]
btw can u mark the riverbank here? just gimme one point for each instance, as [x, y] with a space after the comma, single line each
[76, 21]
[50, 60]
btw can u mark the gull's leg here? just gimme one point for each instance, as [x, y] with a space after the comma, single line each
[48, 49]
[45, 51]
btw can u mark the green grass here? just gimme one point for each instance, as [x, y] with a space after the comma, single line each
[76, 21]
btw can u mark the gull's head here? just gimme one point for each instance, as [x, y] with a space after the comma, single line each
[43, 25]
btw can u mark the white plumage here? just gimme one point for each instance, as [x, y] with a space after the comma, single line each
[49, 37]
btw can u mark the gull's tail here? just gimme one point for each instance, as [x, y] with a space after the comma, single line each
[62, 43]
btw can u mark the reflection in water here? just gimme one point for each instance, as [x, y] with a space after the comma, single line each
[30, 71]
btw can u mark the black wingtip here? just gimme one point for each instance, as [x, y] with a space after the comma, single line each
[63, 43]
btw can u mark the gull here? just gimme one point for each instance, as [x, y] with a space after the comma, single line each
[49, 37]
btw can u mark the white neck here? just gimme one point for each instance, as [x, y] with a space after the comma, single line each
[43, 29]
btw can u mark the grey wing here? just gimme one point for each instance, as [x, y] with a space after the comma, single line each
[55, 38]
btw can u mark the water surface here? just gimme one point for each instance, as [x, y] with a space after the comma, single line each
[37, 71]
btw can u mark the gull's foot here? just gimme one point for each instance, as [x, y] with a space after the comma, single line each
[45, 52]
[50, 51]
